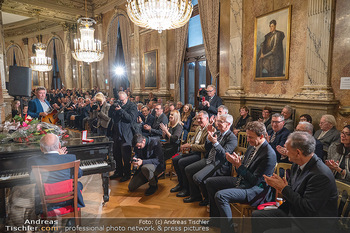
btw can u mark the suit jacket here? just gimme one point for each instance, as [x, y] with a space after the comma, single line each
[214, 104]
[149, 121]
[34, 107]
[333, 135]
[152, 153]
[263, 163]
[102, 117]
[311, 194]
[280, 139]
[227, 144]
[200, 147]
[124, 121]
[54, 177]
[156, 130]
[289, 124]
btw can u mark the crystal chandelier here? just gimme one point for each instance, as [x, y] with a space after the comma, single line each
[40, 62]
[159, 14]
[86, 48]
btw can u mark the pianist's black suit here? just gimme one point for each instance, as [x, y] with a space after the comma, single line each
[54, 177]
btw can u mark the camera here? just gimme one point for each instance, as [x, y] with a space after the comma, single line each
[202, 94]
[117, 103]
[94, 106]
[134, 167]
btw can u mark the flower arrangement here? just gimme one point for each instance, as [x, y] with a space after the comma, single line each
[28, 130]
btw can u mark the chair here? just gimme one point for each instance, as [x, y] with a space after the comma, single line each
[343, 205]
[242, 143]
[285, 167]
[59, 192]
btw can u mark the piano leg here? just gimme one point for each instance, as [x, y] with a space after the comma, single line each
[105, 185]
[2, 206]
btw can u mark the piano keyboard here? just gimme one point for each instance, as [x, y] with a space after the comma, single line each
[85, 165]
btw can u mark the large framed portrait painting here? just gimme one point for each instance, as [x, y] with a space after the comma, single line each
[271, 45]
[150, 67]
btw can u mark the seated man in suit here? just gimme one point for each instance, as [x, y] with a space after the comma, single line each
[215, 164]
[278, 135]
[196, 150]
[211, 102]
[305, 127]
[53, 154]
[39, 106]
[145, 119]
[310, 192]
[160, 117]
[259, 159]
[327, 133]
[288, 121]
[149, 160]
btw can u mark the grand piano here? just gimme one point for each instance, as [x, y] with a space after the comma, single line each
[96, 158]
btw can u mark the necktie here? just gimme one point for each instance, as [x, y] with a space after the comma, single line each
[211, 156]
[273, 137]
[210, 99]
[246, 164]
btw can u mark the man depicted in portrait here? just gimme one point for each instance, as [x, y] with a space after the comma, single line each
[270, 58]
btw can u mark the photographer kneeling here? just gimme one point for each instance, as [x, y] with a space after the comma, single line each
[149, 160]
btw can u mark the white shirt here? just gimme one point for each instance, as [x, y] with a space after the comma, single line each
[44, 105]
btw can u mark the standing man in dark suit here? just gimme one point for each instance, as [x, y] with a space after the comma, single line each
[149, 160]
[124, 120]
[310, 192]
[145, 119]
[39, 107]
[259, 160]
[212, 101]
[160, 117]
[215, 163]
[278, 135]
[53, 154]
[327, 133]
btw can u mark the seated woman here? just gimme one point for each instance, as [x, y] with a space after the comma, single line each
[266, 117]
[16, 110]
[241, 122]
[186, 118]
[172, 134]
[338, 156]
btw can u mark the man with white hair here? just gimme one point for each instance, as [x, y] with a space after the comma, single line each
[54, 154]
[211, 101]
[288, 121]
[214, 164]
[327, 133]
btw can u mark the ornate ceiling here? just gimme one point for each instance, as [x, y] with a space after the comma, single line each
[52, 13]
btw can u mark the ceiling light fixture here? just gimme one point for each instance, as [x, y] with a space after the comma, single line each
[40, 62]
[159, 14]
[87, 48]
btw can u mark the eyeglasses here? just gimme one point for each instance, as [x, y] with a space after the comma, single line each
[276, 122]
[157, 108]
[345, 134]
[210, 91]
[220, 122]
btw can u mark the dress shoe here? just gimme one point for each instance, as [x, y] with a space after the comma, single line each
[205, 202]
[124, 178]
[115, 176]
[177, 188]
[192, 199]
[183, 193]
[152, 189]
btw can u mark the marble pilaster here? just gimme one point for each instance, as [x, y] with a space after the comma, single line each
[26, 52]
[235, 60]
[135, 63]
[5, 98]
[68, 73]
[99, 66]
[163, 77]
[317, 75]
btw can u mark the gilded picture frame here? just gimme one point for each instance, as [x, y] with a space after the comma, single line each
[271, 45]
[150, 69]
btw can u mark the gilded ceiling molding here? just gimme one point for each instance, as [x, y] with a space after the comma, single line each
[98, 18]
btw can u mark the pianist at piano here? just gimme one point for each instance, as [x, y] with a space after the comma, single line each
[53, 154]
